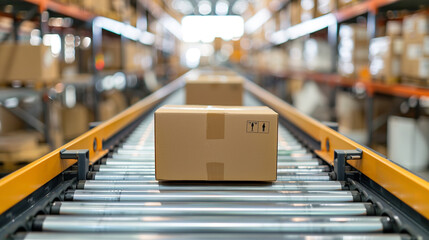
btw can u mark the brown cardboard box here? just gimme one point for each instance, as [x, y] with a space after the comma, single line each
[416, 25]
[415, 57]
[75, 121]
[214, 90]
[27, 63]
[215, 143]
[9, 122]
[19, 141]
[354, 32]
[385, 58]
[353, 50]
[350, 112]
[393, 28]
[114, 102]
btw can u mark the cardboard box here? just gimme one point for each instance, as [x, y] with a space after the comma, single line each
[350, 112]
[113, 104]
[19, 141]
[416, 25]
[9, 122]
[353, 50]
[394, 28]
[214, 90]
[385, 58]
[354, 32]
[75, 121]
[415, 57]
[216, 143]
[27, 63]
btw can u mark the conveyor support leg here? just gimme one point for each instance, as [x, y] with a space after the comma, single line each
[82, 157]
[340, 157]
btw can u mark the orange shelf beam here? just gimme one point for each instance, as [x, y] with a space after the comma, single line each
[319, 23]
[361, 8]
[398, 90]
[67, 10]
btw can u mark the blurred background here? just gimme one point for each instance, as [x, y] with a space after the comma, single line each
[67, 63]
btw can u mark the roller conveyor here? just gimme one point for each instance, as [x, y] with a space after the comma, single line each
[120, 199]
[178, 204]
[204, 209]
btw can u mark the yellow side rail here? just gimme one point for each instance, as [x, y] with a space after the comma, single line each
[23, 182]
[405, 185]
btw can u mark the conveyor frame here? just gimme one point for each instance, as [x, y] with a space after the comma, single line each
[50, 176]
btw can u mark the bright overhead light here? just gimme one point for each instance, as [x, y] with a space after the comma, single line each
[204, 7]
[240, 6]
[222, 7]
[207, 28]
[183, 6]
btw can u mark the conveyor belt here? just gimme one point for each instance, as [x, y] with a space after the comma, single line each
[122, 200]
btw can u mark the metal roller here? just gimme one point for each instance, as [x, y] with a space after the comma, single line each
[152, 168]
[137, 176]
[211, 196]
[277, 186]
[110, 161]
[206, 209]
[306, 156]
[208, 236]
[213, 224]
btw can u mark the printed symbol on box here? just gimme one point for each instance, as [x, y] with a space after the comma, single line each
[252, 126]
[264, 127]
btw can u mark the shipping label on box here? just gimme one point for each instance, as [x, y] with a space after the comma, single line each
[216, 143]
[214, 90]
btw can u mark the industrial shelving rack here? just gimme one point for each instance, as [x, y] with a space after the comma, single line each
[329, 24]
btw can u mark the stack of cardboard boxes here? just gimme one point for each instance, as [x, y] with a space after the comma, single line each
[116, 9]
[353, 50]
[27, 63]
[385, 55]
[415, 57]
[203, 142]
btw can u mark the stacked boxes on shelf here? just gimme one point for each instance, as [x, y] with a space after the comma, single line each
[39, 63]
[385, 55]
[353, 50]
[415, 57]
